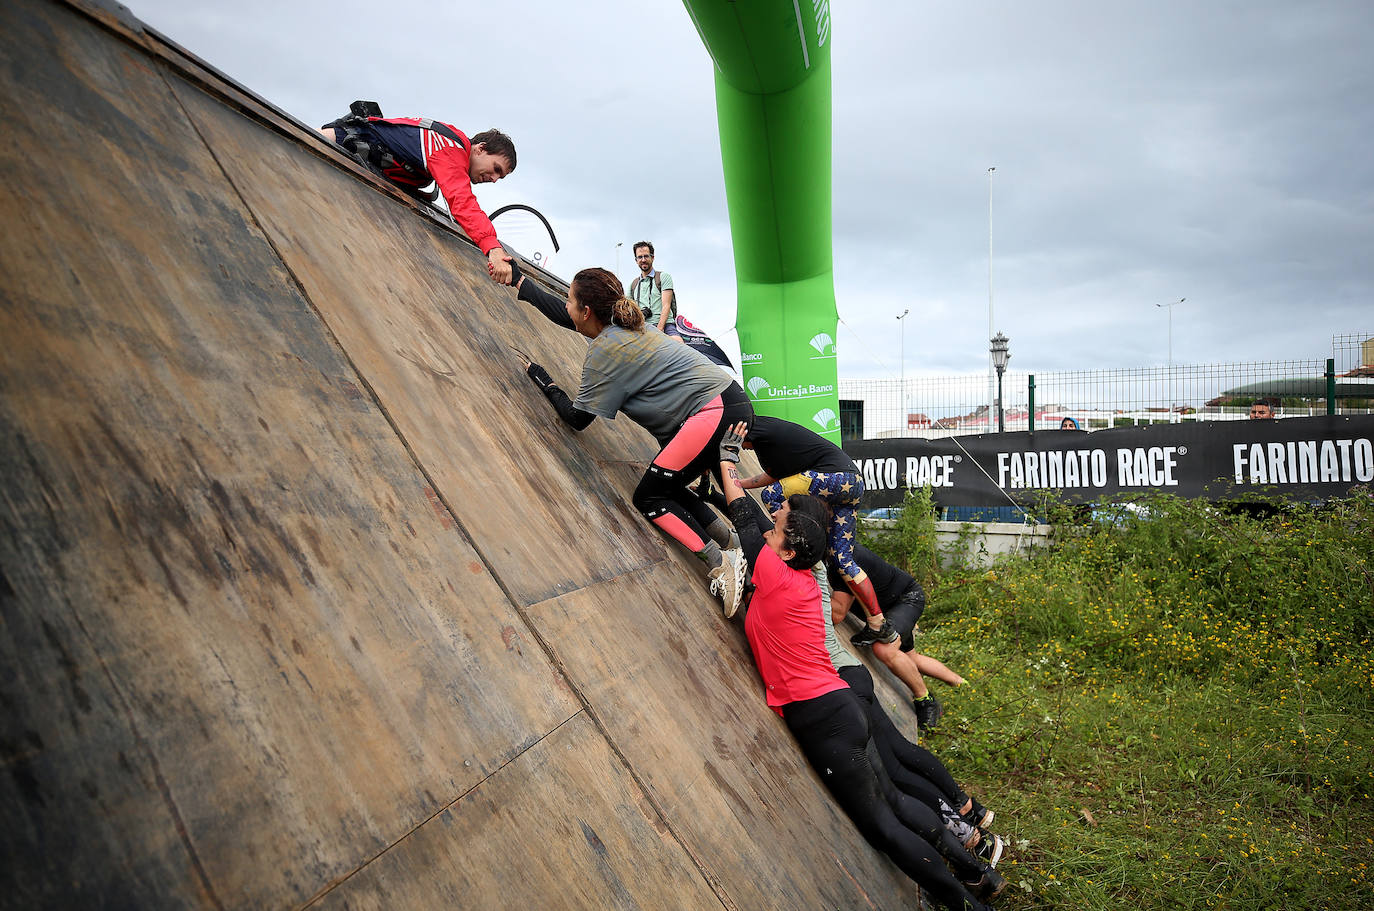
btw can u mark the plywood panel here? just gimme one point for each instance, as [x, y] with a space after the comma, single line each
[249, 649]
[411, 304]
[674, 686]
[564, 826]
[246, 646]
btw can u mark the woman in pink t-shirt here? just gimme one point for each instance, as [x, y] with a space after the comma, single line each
[785, 625]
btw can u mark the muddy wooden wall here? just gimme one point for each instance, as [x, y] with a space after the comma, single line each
[306, 597]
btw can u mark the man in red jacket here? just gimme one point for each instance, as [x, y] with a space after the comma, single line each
[412, 152]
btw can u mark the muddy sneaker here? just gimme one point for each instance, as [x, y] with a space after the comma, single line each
[867, 636]
[989, 886]
[928, 712]
[727, 580]
[990, 849]
[978, 815]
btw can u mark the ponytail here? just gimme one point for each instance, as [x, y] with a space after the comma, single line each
[627, 314]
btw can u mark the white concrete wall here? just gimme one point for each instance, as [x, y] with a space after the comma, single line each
[983, 542]
[992, 539]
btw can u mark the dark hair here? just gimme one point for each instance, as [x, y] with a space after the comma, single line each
[805, 530]
[497, 143]
[601, 292]
[1267, 403]
[643, 243]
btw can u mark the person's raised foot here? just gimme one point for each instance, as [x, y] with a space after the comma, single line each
[727, 580]
[868, 635]
[928, 711]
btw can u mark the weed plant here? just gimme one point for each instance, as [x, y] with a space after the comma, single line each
[1169, 708]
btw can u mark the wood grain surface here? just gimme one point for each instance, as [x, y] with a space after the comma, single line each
[306, 595]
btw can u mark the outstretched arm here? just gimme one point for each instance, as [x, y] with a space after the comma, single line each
[551, 305]
[749, 521]
[762, 479]
[448, 163]
[570, 413]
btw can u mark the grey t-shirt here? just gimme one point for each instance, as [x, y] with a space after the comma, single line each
[655, 379]
[839, 655]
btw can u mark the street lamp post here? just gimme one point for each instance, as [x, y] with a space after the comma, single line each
[990, 172]
[1000, 356]
[1170, 308]
[901, 385]
[618, 245]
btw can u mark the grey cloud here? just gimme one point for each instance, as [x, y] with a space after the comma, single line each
[1145, 151]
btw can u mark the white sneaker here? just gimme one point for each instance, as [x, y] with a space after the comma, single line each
[991, 849]
[727, 580]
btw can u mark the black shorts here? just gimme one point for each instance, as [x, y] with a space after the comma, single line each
[902, 615]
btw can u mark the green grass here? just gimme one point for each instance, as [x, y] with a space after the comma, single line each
[1173, 712]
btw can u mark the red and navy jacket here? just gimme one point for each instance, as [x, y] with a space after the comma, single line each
[432, 155]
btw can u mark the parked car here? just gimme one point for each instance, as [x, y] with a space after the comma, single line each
[882, 512]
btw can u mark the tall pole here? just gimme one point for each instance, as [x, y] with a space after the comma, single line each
[618, 245]
[901, 386]
[1170, 308]
[990, 366]
[1001, 425]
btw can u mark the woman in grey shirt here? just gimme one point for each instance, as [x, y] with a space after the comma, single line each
[667, 388]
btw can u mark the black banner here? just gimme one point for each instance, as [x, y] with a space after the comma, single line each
[1294, 458]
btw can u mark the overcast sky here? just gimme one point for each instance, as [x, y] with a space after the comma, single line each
[1144, 152]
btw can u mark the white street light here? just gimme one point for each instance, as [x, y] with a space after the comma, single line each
[901, 388]
[990, 365]
[1170, 308]
[617, 257]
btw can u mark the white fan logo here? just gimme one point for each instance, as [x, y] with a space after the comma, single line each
[756, 384]
[822, 342]
[826, 419]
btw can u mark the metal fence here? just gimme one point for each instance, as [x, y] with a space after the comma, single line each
[942, 406]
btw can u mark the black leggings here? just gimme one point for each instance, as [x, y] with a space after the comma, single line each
[913, 769]
[832, 731]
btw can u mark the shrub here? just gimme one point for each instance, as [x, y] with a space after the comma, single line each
[1170, 707]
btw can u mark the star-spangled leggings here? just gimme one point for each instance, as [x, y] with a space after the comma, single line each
[841, 491]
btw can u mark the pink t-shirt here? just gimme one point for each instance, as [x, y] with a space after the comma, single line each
[787, 633]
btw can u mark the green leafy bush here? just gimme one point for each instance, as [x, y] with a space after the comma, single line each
[1171, 706]
[910, 541]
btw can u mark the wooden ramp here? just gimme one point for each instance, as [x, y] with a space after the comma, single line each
[307, 598]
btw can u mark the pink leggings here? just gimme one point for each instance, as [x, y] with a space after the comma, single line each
[662, 495]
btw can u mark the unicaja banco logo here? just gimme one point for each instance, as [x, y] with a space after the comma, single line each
[823, 343]
[826, 419]
[760, 388]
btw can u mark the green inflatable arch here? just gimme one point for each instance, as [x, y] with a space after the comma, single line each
[772, 61]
